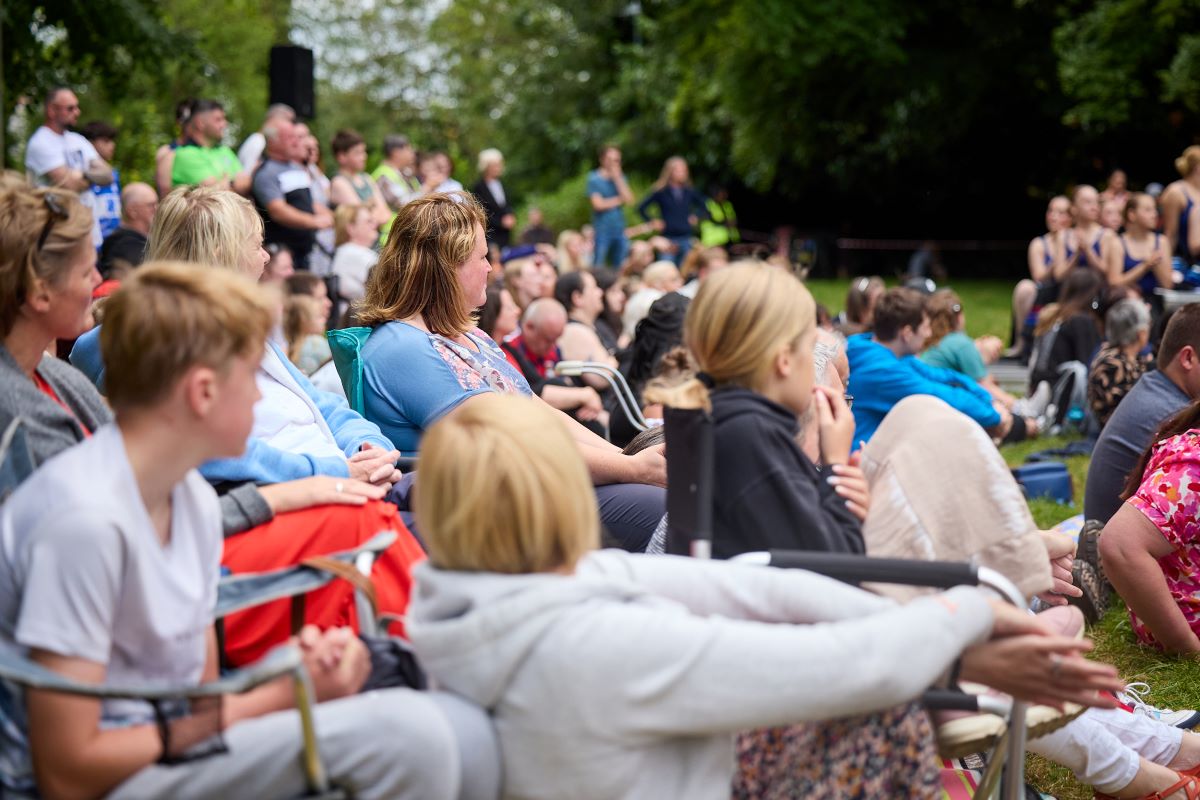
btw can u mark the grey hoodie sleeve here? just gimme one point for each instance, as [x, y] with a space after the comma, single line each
[684, 675]
[242, 508]
[738, 591]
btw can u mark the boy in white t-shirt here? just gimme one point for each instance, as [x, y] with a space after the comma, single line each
[109, 563]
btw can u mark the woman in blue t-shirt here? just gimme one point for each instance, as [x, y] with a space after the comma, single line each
[426, 354]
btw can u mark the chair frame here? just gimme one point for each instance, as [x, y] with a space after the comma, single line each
[624, 395]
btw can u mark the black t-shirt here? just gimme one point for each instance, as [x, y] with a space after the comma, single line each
[124, 245]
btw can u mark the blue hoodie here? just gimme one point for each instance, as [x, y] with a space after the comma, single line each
[879, 380]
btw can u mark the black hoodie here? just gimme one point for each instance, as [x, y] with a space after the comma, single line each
[768, 494]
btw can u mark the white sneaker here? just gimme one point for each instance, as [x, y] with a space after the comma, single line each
[1035, 404]
[1132, 697]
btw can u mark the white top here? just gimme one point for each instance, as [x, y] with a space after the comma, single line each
[351, 263]
[250, 153]
[497, 191]
[637, 307]
[630, 678]
[286, 418]
[83, 574]
[48, 150]
[449, 185]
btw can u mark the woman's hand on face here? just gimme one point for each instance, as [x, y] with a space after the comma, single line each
[835, 425]
[318, 491]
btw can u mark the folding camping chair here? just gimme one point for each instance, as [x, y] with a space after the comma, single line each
[690, 474]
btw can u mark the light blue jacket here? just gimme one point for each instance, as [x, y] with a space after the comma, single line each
[262, 463]
[879, 380]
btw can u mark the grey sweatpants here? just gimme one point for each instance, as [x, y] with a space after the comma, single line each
[394, 743]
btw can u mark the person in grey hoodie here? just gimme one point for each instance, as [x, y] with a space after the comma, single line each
[611, 675]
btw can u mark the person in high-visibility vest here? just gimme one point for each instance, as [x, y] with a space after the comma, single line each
[721, 227]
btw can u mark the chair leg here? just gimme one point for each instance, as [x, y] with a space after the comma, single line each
[314, 770]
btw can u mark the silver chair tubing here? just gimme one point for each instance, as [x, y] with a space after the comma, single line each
[623, 393]
[1014, 785]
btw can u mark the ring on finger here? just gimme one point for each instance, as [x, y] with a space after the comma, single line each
[337, 487]
[1055, 665]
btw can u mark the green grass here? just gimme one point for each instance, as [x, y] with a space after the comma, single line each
[987, 304]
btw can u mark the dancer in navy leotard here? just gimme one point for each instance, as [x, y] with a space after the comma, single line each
[1088, 238]
[1179, 202]
[1143, 259]
[1049, 261]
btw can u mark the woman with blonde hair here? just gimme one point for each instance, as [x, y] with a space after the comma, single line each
[617, 675]
[680, 207]
[1181, 220]
[355, 235]
[314, 473]
[494, 198]
[572, 252]
[420, 303]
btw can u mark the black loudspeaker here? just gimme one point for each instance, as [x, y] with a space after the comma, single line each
[292, 79]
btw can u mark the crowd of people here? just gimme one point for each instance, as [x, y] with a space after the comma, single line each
[218, 428]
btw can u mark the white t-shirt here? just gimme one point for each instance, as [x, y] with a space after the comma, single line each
[84, 575]
[250, 153]
[351, 263]
[48, 150]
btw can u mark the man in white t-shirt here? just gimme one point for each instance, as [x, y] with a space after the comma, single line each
[114, 580]
[57, 156]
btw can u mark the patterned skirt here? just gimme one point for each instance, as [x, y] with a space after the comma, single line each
[891, 754]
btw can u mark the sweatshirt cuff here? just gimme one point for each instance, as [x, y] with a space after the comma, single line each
[243, 508]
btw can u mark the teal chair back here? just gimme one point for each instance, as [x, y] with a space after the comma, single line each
[346, 345]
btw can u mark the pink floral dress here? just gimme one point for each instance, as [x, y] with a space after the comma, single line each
[1170, 498]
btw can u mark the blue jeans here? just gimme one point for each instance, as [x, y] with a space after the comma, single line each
[611, 248]
[684, 243]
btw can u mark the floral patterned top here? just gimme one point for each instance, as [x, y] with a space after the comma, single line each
[1110, 378]
[412, 378]
[1170, 498]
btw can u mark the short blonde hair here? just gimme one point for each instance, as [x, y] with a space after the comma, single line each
[343, 218]
[489, 157]
[737, 324]
[203, 225]
[504, 489]
[24, 214]
[658, 273]
[417, 273]
[168, 317]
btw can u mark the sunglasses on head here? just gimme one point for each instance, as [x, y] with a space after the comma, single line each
[54, 212]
